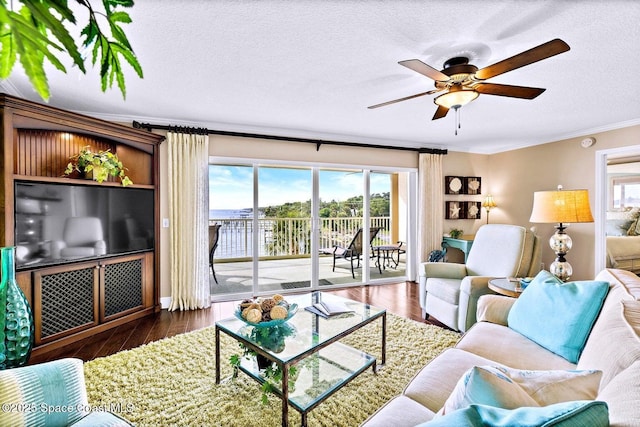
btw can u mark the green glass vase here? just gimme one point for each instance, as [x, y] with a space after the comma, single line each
[16, 318]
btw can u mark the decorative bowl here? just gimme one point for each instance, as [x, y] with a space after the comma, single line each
[293, 309]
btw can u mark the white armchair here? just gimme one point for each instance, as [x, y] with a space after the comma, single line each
[81, 237]
[449, 292]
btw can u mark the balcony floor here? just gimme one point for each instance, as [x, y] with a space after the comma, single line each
[293, 273]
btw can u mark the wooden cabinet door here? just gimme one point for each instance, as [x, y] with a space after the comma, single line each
[65, 300]
[122, 289]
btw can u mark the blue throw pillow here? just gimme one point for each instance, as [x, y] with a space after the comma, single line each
[558, 316]
[568, 414]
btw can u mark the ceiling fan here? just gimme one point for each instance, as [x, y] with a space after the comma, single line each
[462, 82]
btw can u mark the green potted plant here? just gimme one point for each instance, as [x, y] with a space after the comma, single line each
[101, 164]
[455, 233]
[271, 338]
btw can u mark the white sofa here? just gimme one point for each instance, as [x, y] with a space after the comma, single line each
[613, 346]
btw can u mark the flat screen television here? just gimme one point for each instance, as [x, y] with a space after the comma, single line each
[60, 223]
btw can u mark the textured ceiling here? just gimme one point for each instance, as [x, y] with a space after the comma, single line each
[310, 68]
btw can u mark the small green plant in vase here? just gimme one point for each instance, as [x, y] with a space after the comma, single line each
[102, 164]
[273, 339]
[455, 233]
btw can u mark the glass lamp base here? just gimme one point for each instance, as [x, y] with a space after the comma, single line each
[561, 269]
[560, 242]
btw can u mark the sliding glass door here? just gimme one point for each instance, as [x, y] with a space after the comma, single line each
[284, 221]
[286, 228]
[340, 226]
[388, 202]
[231, 194]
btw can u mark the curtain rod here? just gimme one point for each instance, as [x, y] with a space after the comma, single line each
[318, 142]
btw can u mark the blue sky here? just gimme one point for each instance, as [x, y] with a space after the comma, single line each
[231, 187]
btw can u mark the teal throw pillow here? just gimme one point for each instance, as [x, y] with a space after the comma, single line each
[556, 315]
[567, 414]
[510, 388]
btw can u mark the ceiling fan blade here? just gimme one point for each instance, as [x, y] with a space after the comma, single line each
[508, 90]
[403, 99]
[538, 53]
[440, 112]
[424, 69]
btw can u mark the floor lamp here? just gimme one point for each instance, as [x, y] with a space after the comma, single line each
[489, 204]
[561, 207]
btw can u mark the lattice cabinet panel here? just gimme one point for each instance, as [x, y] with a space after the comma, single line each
[68, 300]
[123, 287]
[65, 301]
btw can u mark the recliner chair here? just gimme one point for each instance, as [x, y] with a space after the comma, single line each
[449, 292]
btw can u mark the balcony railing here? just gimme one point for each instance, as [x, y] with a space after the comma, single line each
[289, 237]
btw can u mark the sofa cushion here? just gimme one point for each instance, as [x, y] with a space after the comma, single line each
[508, 347]
[433, 384]
[618, 323]
[627, 282]
[566, 414]
[400, 411]
[558, 316]
[494, 309]
[622, 394]
[508, 388]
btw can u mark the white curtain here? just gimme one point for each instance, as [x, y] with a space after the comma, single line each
[189, 220]
[431, 203]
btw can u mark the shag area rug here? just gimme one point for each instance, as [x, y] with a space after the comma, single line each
[172, 381]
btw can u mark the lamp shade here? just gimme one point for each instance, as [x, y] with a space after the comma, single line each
[489, 203]
[456, 97]
[562, 206]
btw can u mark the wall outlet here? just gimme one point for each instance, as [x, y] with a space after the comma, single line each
[165, 222]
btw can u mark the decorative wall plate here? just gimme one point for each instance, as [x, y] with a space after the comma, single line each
[473, 185]
[472, 210]
[453, 185]
[454, 210]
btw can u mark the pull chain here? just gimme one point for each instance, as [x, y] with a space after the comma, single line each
[457, 119]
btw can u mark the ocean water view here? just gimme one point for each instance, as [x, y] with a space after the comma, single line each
[230, 213]
[236, 233]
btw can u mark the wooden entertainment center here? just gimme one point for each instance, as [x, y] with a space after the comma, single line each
[74, 299]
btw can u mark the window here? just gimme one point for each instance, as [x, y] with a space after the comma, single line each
[626, 192]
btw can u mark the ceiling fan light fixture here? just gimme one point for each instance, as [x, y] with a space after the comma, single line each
[456, 97]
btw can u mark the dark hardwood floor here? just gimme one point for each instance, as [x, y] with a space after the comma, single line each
[398, 298]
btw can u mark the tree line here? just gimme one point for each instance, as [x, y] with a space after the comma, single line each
[352, 207]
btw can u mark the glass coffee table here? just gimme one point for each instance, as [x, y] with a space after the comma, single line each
[311, 343]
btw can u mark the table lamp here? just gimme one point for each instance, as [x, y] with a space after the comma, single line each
[489, 204]
[561, 207]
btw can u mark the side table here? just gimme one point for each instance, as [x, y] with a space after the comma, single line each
[509, 287]
[463, 243]
[384, 256]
